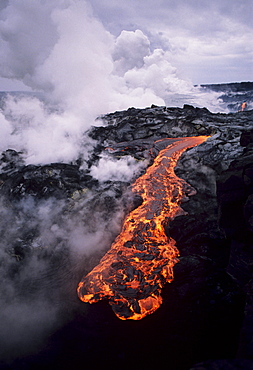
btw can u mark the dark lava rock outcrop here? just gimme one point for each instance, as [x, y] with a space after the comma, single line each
[207, 311]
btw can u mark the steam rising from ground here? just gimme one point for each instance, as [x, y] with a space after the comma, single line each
[123, 169]
[45, 246]
[60, 49]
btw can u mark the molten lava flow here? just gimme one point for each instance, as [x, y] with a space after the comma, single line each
[140, 261]
[243, 106]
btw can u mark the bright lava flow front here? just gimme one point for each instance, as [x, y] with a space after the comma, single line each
[141, 259]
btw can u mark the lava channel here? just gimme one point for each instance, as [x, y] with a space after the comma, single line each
[141, 259]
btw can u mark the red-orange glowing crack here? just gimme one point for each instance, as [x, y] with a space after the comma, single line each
[141, 259]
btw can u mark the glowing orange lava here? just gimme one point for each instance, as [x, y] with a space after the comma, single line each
[243, 106]
[141, 259]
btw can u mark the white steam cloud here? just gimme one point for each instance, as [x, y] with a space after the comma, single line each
[59, 48]
[123, 169]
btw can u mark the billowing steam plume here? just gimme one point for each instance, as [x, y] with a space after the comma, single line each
[60, 49]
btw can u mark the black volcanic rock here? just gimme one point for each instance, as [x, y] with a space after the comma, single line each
[207, 313]
[153, 123]
[56, 179]
[232, 86]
